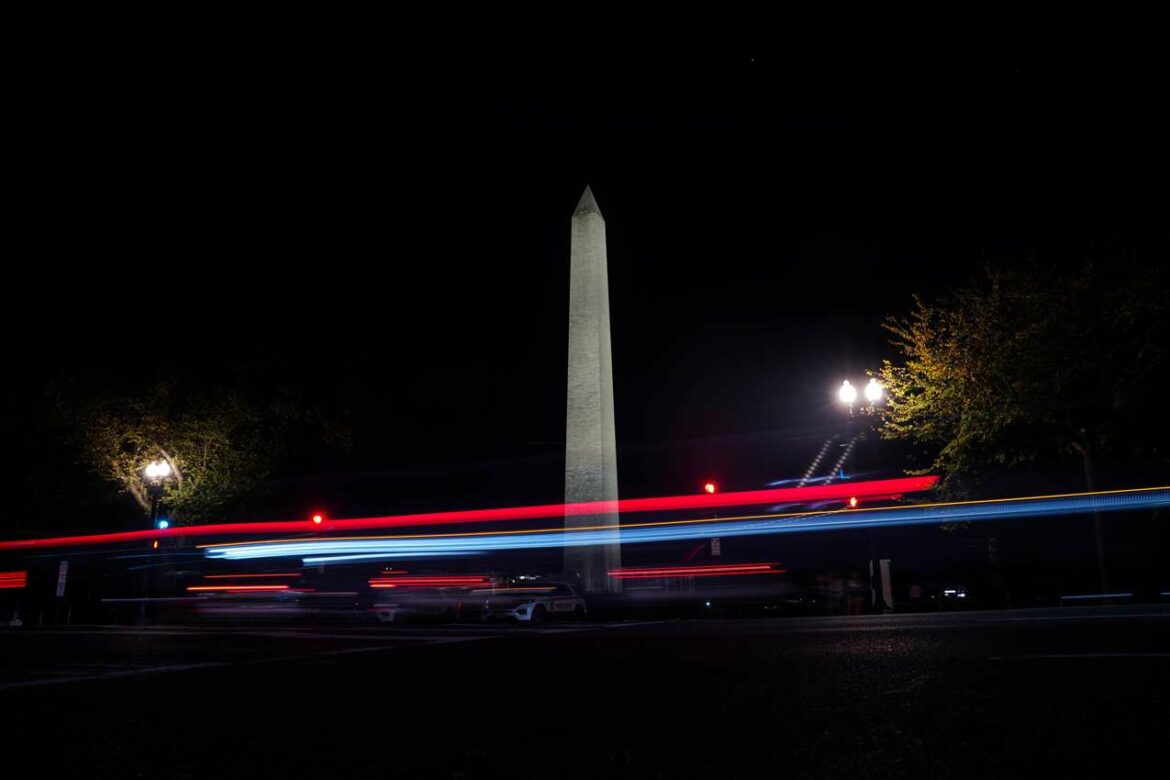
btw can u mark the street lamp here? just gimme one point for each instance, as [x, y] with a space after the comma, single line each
[156, 472]
[847, 394]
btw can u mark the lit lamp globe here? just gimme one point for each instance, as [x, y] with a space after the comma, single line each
[158, 469]
[873, 391]
[847, 394]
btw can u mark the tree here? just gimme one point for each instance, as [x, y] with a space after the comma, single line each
[220, 443]
[1040, 360]
[1035, 361]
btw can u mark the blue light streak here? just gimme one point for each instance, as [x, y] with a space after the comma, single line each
[325, 560]
[413, 546]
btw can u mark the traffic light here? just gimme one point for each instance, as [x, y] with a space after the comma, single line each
[709, 487]
[853, 502]
[318, 518]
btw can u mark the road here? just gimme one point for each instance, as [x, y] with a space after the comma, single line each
[1081, 692]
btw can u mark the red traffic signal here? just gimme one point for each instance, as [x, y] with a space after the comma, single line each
[709, 487]
[318, 518]
[853, 502]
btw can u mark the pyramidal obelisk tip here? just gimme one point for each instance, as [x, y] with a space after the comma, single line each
[587, 204]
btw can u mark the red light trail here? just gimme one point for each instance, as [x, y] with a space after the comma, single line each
[874, 490]
[11, 580]
[236, 588]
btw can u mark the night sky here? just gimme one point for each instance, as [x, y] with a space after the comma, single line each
[392, 235]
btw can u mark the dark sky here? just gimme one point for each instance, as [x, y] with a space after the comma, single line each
[393, 234]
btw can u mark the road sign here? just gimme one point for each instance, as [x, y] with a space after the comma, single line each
[62, 573]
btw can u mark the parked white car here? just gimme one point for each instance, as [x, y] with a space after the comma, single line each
[534, 604]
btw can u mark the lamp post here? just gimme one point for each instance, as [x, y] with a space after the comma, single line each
[157, 472]
[847, 394]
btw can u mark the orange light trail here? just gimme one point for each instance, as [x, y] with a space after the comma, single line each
[427, 582]
[698, 521]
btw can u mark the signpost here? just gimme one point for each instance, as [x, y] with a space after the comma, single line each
[62, 573]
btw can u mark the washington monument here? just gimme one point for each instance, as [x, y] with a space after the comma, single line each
[590, 441]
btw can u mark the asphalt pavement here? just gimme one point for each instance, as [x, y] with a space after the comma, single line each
[1079, 692]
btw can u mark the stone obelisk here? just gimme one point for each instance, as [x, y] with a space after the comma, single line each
[590, 440]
